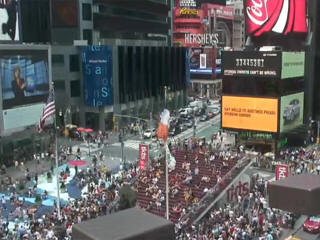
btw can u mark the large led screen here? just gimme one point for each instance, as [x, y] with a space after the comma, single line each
[250, 113]
[292, 64]
[24, 77]
[211, 25]
[9, 20]
[277, 16]
[251, 64]
[291, 111]
[97, 71]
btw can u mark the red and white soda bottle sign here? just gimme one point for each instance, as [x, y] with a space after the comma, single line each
[280, 16]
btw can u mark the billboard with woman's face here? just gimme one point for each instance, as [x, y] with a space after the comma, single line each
[24, 76]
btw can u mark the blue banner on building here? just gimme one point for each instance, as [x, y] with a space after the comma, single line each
[97, 75]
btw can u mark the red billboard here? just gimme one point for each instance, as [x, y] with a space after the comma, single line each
[282, 171]
[209, 26]
[278, 16]
[143, 156]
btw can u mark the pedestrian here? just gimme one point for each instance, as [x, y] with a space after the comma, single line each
[318, 169]
[36, 178]
[3, 202]
[16, 164]
[22, 165]
[76, 169]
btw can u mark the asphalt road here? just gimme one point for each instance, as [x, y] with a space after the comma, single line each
[131, 145]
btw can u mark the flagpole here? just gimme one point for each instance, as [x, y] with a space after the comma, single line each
[57, 170]
[167, 182]
[57, 161]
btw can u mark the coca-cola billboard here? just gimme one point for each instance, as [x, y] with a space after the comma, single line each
[278, 16]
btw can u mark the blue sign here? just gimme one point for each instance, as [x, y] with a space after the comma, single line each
[97, 75]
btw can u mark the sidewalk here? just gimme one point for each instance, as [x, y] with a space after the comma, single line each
[45, 164]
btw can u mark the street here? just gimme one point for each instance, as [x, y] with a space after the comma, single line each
[131, 145]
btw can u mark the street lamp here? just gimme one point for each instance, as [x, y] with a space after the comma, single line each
[122, 159]
[318, 132]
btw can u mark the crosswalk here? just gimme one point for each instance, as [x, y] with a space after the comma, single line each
[84, 148]
[133, 144]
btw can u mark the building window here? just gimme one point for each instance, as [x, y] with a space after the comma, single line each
[59, 85]
[87, 35]
[74, 63]
[75, 88]
[86, 12]
[57, 59]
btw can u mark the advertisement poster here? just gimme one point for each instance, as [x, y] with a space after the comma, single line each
[143, 156]
[250, 113]
[9, 20]
[282, 171]
[251, 64]
[291, 111]
[24, 77]
[292, 64]
[277, 16]
[203, 61]
[12, 118]
[97, 70]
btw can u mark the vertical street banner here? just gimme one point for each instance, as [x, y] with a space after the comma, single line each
[143, 156]
[282, 171]
[97, 75]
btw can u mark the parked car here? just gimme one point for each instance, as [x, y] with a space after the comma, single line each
[215, 110]
[149, 133]
[183, 127]
[204, 118]
[291, 111]
[174, 131]
[200, 112]
[189, 123]
[312, 224]
[211, 114]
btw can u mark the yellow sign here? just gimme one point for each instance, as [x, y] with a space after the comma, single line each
[187, 11]
[250, 113]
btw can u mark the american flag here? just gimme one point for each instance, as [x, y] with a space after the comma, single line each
[48, 110]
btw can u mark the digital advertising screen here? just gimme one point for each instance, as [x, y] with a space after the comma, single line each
[9, 20]
[97, 70]
[210, 25]
[293, 64]
[277, 16]
[24, 77]
[250, 113]
[22, 116]
[197, 3]
[291, 111]
[251, 64]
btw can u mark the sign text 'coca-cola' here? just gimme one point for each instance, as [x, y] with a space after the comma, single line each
[278, 16]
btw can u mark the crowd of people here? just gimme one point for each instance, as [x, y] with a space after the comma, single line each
[101, 198]
[199, 167]
[247, 218]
